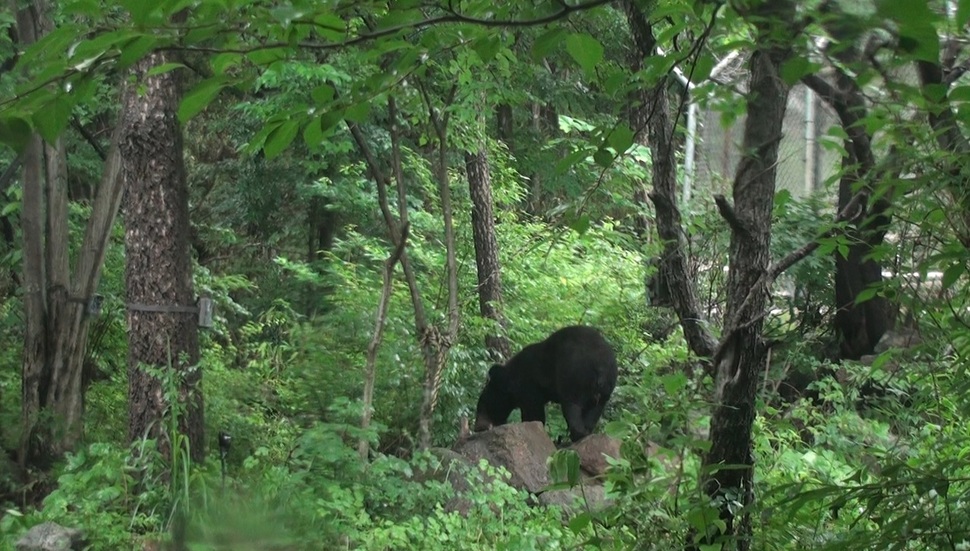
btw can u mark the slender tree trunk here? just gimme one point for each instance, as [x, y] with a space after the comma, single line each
[370, 368]
[486, 253]
[504, 123]
[55, 339]
[652, 111]
[162, 328]
[436, 343]
[741, 356]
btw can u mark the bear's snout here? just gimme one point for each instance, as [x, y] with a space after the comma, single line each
[482, 424]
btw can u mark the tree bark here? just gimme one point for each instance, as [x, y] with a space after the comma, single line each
[434, 345]
[651, 113]
[858, 325]
[486, 253]
[742, 352]
[370, 368]
[163, 331]
[435, 342]
[55, 338]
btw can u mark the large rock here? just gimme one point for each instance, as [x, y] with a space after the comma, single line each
[899, 339]
[50, 536]
[593, 452]
[522, 448]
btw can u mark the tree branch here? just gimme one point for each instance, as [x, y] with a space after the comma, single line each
[727, 213]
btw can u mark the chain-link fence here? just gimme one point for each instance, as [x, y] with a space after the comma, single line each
[803, 163]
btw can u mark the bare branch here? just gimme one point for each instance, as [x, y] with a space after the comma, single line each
[728, 214]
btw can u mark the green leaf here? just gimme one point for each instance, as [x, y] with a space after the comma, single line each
[487, 46]
[313, 134]
[603, 158]
[585, 50]
[621, 139]
[135, 49]
[952, 274]
[357, 112]
[199, 97]
[547, 42]
[701, 70]
[568, 161]
[579, 523]
[907, 12]
[564, 467]
[323, 94]
[581, 224]
[796, 67]
[921, 41]
[280, 138]
[674, 383]
[53, 118]
[223, 62]
[140, 11]
[866, 294]
[15, 132]
[163, 68]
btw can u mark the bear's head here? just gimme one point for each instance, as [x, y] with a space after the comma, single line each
[496, 401]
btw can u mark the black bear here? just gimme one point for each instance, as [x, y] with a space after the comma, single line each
[574, 367]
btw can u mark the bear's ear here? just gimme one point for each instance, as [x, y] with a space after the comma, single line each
[494, 373]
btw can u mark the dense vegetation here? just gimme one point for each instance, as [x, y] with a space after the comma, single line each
[315, 169]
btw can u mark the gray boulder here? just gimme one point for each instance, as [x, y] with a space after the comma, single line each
[50, 536]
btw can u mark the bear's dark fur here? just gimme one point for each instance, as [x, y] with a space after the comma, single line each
[575, 367]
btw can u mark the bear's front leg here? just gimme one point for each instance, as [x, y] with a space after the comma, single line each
[573, 413]
[534, 412]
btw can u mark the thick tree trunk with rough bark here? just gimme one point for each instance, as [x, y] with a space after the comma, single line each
[55, 338]
[859, 325]
[742, 353]
[162, 328]
[486, 253]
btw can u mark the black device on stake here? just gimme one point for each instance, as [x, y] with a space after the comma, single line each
[225, 442]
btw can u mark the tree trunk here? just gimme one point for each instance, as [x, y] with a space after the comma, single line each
[162, 328]
[652, 111]
[486, 253]
[370, 367]
[55, 338]
[860, 325]
[436, 343]
[503, 120]
[742, 353]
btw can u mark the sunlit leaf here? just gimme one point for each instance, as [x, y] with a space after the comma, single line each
[199, 97]
[585, 50]
[952, 274]
[621, 138]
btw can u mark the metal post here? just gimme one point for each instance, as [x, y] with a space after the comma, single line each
[811, 143]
